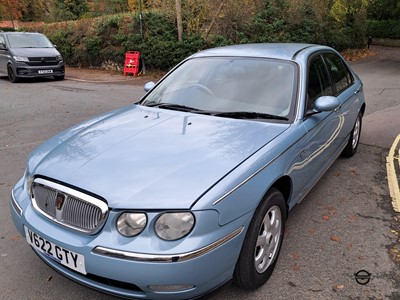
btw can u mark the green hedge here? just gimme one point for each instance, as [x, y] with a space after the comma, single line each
[91, 42]
[384, 29]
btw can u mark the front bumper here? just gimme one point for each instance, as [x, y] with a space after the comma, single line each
[22, 70]
[188, 269]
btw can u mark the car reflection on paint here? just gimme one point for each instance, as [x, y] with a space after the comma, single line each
[173, 196]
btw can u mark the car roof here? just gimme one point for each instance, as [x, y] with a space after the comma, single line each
[20, 32]
[287, 51]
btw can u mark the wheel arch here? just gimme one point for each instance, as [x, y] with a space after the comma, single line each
[284, 185]
[362, 110]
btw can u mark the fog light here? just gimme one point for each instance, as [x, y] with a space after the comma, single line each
[170, 288]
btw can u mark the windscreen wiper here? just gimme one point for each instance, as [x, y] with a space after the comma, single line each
[172, 106]
[249, 115]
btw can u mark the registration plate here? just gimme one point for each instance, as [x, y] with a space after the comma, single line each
[68, 258]
[45, 71]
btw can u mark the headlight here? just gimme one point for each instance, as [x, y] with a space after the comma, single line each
[21, 58]
[28, 180]
[59, 57]
[173, 226]
[131, 224]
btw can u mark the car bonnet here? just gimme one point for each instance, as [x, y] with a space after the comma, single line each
[35, 52]
[150, 158]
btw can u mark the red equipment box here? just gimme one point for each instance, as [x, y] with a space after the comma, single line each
[131, 62]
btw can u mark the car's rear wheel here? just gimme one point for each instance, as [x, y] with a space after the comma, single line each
[59, 77]
[262, 243]
[354, 139]
[11, 74]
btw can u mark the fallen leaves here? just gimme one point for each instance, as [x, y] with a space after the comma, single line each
[357, 54]
[295, 256]
[353, 217]
[335, 238]
[296, 267]
[338, 287]
[15, 237]
[325, 217]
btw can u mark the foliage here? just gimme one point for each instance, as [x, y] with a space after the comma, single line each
[90, 42]
[70, 9]
[384, 9]
[267, 26]
[384, 29]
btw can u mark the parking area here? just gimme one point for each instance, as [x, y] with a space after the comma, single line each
[345, 225]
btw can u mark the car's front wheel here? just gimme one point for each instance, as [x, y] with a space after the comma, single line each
[11, 74]
[262, 243]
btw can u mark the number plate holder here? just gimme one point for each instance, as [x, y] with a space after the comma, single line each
[45, 71]
[68, 258]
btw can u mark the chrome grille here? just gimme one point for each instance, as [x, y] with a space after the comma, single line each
[69, 207]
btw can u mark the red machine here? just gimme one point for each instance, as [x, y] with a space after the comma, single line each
[131, 62]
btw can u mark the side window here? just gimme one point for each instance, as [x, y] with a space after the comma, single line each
[340, 74]
[318, 81]
[2, 41]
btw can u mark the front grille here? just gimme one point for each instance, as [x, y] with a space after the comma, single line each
[42, 61]
[69, 207]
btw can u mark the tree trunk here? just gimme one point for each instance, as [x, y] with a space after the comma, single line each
[214, 19]
[179, 19]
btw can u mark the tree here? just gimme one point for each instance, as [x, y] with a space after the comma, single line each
[10, 9]
[71, 9]
[384, 9]
[179, 19]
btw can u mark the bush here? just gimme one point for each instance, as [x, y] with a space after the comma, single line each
[384, 29]
[91, 42]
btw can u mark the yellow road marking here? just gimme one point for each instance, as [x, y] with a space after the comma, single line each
[393, 179]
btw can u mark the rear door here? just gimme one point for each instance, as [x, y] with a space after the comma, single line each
[3, 55]
[347, 89]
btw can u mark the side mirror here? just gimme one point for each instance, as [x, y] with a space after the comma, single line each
[3, 46]
[327, 103]
[148, 86]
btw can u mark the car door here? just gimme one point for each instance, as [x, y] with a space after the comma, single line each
[323, 128]
[347, 89]
[3, 54]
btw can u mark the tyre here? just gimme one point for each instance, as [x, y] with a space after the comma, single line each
[11, 74]
[262, 243]
[354, 139]
[60, 77]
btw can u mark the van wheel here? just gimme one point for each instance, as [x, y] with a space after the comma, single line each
[11, 74]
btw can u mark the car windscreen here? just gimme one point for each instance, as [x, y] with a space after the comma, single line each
[24, 40]
[227, 84]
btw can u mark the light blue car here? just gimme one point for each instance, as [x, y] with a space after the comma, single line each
[173, 196]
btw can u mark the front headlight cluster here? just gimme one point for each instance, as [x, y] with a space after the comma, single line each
[28, 180]
[169, 226]
[21, 58]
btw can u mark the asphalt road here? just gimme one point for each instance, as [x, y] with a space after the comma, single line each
[346, 224]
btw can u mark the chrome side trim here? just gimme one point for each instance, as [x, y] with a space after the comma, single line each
[14, 203]
[165, 258]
